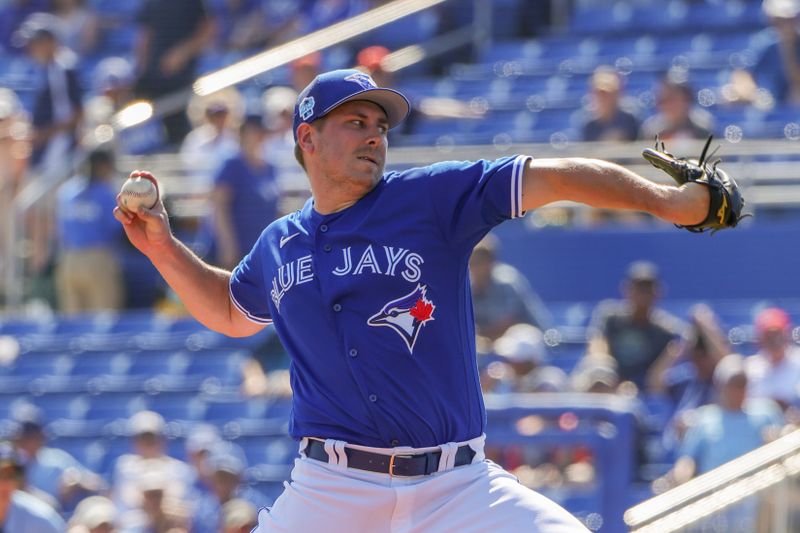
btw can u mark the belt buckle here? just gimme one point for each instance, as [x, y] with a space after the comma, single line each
[391, 463]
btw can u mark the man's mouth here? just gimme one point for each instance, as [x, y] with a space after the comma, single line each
[367, 158]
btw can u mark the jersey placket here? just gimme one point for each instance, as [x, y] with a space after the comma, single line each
[325, 245]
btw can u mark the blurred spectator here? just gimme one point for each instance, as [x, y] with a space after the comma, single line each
[239, 516]
[52, 471]
[240, 25]
[57, 110]
[776, 71]
[282, 20]
[677, 117]
[12, 14]
[595, 374]
[245, 196]
[112, 90]
[172, 36]
[278, 105]
[633, 331]
[303, 70]
[545, 379]
[147, 480]
[727, 429]
[324, 13]
[88, 271]
[213, 139]
[774, 372]
[14, 143]
[227, 463]
[163, 514]
[522, 350]
[686, 379]
[608, 120]
[501, 296]
[14, 153]
[78, 26]
[19, 511]
[199, 443]
[94, 514]
[372, 60]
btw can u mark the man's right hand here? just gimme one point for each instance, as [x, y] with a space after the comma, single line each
[148, 229]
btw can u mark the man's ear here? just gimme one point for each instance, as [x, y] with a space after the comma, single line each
[305, 137]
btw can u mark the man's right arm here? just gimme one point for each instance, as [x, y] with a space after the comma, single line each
[202, 288]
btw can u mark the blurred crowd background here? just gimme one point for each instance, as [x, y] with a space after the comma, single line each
[120, 413]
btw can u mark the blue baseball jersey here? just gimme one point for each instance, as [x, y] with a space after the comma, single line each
[373, 304]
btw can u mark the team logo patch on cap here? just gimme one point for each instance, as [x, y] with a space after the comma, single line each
[362, 79]
[406, 315]
[307, 107]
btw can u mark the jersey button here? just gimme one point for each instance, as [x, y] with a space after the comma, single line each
[337, 307]
[373, 398]
[353, 352]
[327, 247]
[323, 228]
[395, 442]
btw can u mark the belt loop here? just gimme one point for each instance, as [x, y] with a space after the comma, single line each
[303, 446]
[447, 460]
[333, 459]
[477, 446]
[338, 447]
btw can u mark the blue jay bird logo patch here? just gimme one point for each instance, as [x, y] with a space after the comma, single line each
[307, 107]
[362, 79]
[406, 315]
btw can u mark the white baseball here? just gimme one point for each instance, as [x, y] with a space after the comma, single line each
[138, 191]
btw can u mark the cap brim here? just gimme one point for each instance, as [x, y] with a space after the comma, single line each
[392, 102]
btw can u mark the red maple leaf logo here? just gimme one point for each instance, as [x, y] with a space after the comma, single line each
[422, 311]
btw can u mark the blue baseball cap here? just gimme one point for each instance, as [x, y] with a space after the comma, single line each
[331, 89]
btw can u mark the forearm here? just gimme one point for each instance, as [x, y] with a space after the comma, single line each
[606, 185]
[202, 288]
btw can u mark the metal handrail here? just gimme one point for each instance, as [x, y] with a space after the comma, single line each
[715, 490]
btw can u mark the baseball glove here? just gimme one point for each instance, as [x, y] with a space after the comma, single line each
[725, 208]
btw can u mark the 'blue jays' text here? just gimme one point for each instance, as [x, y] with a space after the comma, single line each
[385, 260]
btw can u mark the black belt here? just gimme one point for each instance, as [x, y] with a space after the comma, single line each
[400, 464]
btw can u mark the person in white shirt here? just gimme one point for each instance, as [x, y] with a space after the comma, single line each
[774, 371]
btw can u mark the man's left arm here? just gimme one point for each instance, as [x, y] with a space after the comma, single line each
[606, 185]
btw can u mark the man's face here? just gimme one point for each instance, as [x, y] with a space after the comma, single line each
[773, 339]
[642, 294]
[350, 145]
[734, 392]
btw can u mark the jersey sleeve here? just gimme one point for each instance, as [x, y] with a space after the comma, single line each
[248, 289]
[470, 198]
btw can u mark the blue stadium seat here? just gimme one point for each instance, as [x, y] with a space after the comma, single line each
[111, 406]
[179, 406]
[67, 405]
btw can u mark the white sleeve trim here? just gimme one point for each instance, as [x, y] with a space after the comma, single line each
[517, 172]
[245, 312]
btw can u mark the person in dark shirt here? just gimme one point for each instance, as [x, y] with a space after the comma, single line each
[245, 196]
[633, 331]
[172, 36]
[608, 121]
[57, 109]
[677, 117]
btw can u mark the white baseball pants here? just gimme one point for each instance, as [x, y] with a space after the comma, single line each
[479, 497]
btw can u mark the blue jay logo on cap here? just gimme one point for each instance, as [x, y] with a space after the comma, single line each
[362, 79]
[307, 107]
